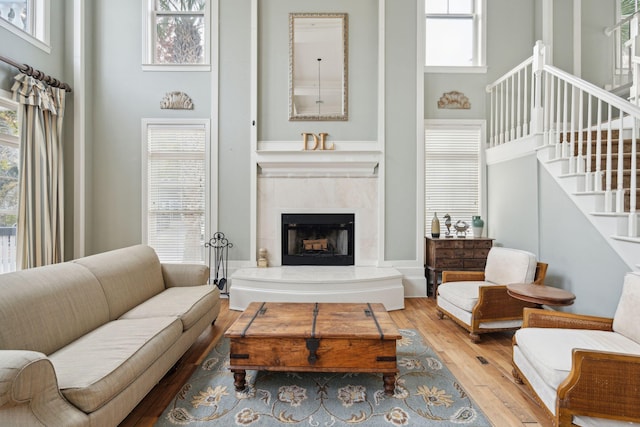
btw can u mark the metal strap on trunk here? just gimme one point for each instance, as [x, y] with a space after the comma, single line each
[313, 343]
[371, 313]
[260, 310]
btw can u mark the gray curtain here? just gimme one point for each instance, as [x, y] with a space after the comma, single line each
[40, 234]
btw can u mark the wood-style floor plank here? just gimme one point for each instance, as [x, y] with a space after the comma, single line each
[490, 384]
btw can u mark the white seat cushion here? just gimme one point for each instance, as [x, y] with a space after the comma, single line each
[461, 294]
[549, 349]
[506, 265]
[627, 317]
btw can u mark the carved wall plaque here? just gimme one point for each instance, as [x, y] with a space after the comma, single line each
[176, 101]
[454, 100]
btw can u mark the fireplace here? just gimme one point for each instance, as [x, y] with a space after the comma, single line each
[318, 239]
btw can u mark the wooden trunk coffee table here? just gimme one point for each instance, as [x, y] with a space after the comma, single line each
[314, 337]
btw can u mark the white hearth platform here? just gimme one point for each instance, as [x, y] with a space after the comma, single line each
[317, 284]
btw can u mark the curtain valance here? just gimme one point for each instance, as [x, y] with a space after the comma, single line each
[29, 91]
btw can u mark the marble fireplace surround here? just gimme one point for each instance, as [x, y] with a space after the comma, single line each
[318, 182]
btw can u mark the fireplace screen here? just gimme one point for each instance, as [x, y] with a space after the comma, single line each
[317, 239]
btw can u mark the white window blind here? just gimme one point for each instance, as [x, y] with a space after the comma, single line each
[452, 174]
[176, 191]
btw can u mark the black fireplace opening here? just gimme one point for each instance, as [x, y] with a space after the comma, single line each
[318, 239]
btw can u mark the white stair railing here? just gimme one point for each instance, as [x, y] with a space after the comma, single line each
[622, 38]
[581, 121]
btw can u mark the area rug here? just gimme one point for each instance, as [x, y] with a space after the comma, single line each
[426, 394]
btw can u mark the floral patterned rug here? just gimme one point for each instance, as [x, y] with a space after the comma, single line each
[426, 394]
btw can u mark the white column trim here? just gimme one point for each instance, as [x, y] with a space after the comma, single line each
[79, 131]
[213, 191]
[381, 129]
[547, 28]
[420, 202]
[577, 38]
[253, 168]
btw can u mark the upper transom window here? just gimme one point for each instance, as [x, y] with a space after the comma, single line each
[454, 33]
[177, 32]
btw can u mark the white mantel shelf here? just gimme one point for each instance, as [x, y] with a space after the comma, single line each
[308, 164]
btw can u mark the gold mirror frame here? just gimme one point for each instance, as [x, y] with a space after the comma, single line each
[318, 71]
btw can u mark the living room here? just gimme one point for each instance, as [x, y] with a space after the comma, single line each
[241, 93]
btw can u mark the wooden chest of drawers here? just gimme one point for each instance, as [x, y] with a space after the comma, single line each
[454, 254]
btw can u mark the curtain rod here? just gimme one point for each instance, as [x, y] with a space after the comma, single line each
[37, 74]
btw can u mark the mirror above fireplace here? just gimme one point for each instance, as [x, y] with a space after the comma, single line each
[318, 66]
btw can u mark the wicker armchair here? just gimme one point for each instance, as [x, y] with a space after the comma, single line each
[584, 370]
[478, 300]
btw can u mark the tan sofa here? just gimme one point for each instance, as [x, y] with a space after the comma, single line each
[82, 342]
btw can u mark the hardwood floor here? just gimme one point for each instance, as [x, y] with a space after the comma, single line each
[484, 369]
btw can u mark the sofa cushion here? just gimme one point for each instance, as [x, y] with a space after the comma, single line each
[45, 308]
[506, 265]
[627, 316]
[462, 294]
[189, 304]
[549, 349]
[129, 276]
[97, 367]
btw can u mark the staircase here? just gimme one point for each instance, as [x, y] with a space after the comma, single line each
[593, 200]
[586, 137]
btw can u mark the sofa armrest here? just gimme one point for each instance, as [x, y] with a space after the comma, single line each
[462, 276]
[184, 275]
[594, 378]
[29, 393]
[539, 318]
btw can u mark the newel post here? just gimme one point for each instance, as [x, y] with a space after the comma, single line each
[537, 109]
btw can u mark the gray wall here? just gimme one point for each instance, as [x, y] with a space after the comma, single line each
[581, 260]
[512, 211]
[116, 130]
[526, 209]
[122, 96]
[21, 51]
[507, 20]
[529, 210]
[273, 86]
[234, 124]
[400, 136]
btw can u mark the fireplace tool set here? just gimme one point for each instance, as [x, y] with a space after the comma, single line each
[219, 249]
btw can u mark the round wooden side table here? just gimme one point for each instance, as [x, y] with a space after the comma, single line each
[540, 294]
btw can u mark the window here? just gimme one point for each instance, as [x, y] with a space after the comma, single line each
[454, 34]
[177, 34]
[9, 158]
[174, 188]
[453, 171]
[28, 19]
[625, 9]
